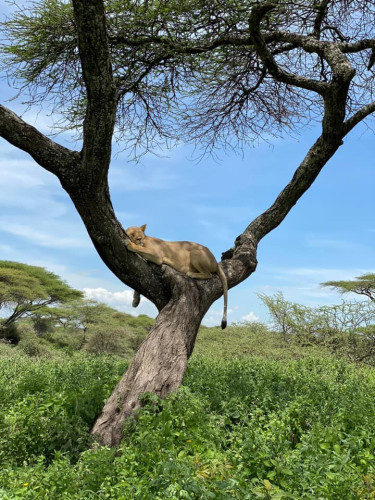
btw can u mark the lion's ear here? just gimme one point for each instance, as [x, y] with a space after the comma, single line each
[143, 228]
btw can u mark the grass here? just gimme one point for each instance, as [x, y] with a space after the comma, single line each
[254, 419]
[250, 339]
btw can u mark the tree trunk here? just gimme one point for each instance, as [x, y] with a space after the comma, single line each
[160, 362]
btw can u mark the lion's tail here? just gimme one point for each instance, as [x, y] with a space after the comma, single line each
[224, 282]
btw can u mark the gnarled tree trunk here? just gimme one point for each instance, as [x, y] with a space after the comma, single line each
[160, 362]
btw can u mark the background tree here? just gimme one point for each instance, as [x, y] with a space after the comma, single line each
[209, 70]
[346, 329]
[25, 290]
[95, 327]
[361, 285]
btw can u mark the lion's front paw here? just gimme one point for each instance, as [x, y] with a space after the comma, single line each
[128, 244]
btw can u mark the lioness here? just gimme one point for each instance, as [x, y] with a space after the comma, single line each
[195, 260]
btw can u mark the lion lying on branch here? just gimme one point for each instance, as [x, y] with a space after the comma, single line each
[192, 259]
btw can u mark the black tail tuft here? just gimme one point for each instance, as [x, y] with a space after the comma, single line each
[223, 324]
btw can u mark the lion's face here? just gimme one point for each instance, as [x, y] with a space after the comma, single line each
[136, 235]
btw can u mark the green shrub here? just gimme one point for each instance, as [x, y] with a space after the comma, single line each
[49, 406]
[240, 429]
[69, 341]
[34, 347]
[6, 349]
[101, 341]
[31, 344]
[346, 329]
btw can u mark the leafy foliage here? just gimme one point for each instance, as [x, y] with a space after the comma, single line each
[190, 68]
[250, 428]
[361, 285]
[261, 414]
[243, 340]
[25, 289]
[96, 328]
[347, 329]
[47, 406]
[45, 313]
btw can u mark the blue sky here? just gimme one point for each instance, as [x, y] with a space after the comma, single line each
[329, 234]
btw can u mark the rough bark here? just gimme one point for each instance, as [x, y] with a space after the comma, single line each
[160, 362]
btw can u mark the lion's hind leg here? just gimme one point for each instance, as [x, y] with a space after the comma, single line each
[202, 276]
[201, 268]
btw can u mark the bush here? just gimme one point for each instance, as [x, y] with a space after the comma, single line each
[246, 429]
[346, 329]
[48, 406]
[70, 341]
[9, 333]
[246, 339]
[101, 341]
[31, 344]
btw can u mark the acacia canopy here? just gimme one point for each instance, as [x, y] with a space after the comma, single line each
[361, 285]
[218, 73]
[208, 71]
[25, 289]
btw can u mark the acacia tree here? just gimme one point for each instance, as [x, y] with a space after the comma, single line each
[26, 290]
[149, 70]
[361, 285]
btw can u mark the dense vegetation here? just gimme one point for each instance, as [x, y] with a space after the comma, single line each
[257, 417]
[264, 412]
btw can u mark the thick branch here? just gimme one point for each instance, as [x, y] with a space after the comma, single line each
[303, 178]
[84, 176]
[101, 93]
[47, 153]
[256, 16]
[321, 13]
[367, 43]
[334, 130]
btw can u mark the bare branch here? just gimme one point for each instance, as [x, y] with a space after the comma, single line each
[256, 16]
[367, 43]
[321, 13]
[359, 116]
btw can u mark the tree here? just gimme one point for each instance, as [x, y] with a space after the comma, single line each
[95, 327]
[211, 70]
[361, 285]
[25, 290]
[347, 329]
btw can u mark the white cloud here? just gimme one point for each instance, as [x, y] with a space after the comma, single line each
[58, 235]
[34, 207]
[317, 242]
[6, 250]
[25, 185]
[113, 298]
[250, 317]
[23, 173]
[121, 301]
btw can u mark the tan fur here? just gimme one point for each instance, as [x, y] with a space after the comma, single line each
[192, 259]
